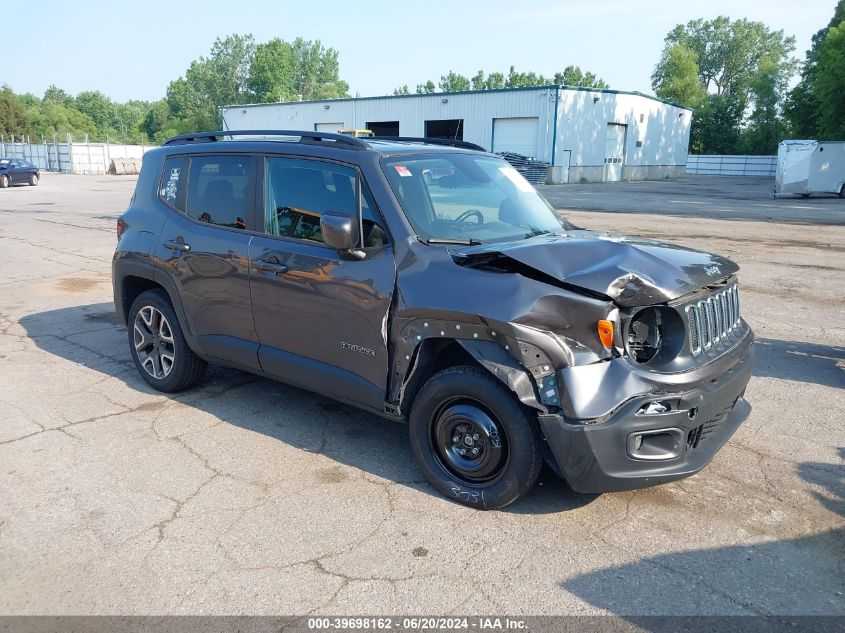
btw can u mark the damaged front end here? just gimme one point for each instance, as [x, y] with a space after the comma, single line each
[649, 405]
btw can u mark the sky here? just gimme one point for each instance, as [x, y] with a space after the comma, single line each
[132, 50]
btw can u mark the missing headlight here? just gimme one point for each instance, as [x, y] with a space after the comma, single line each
[655, 334]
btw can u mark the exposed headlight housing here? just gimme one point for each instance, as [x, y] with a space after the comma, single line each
[654, 335]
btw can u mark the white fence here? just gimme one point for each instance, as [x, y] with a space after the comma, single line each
[70, 157]
[740, 165]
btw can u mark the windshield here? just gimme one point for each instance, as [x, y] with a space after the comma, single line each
[468, 198]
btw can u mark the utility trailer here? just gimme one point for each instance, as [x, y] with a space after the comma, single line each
[808, 167]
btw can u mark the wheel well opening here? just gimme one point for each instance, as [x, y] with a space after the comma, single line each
[132, 288]
[432, 356]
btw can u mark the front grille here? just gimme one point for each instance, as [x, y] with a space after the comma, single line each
[712, 319]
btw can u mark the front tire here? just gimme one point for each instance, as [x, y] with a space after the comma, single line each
[475, 442]
[158, 346]
[4, 182]
[33, 180]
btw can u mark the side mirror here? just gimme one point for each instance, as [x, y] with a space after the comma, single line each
[340, 232]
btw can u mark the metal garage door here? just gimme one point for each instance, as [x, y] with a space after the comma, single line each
[328, 127]
[518, 134]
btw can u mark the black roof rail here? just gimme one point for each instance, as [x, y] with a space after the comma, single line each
[304, 137]
[430, 141]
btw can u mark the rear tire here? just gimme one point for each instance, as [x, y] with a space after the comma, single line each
[4, 182]
[475, 442]
[33, 180]
[158, 346]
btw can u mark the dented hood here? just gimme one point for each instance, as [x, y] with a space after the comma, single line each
[630, 271]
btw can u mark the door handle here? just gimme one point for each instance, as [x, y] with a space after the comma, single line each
[270, 265]
[177, 245]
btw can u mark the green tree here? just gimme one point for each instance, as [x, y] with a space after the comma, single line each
[453, 82]
[728, 52]
[521, 80]
[742, 68]
[802, 106]
[765, 127]
[574, 76]
[401, 90]
[55, 94]
[494, 81]
[14, 118]
[829, 84]
[678, 79]
[53, 117]
[209, 83]
[289, 70]
[97, 106]
[717, 125]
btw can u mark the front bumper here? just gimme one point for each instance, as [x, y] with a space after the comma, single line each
[598, 457]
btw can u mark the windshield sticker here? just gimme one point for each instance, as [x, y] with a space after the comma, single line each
[516, 178]
[402, 170]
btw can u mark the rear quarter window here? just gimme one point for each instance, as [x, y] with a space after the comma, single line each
[173, 180]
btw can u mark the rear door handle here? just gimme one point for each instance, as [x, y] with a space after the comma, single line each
[270, 265]
[177, 245]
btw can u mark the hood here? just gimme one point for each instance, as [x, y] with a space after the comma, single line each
[630, 271]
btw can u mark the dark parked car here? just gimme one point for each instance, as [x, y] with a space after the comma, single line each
[428, 282]
[17, 171]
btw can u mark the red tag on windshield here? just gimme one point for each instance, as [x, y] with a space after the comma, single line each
[402, 170]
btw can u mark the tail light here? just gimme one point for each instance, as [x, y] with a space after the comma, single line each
[121, 227]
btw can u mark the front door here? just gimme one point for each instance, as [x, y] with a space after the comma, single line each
[321, 317]
[204, 247]
[16, 173]
[614, 151]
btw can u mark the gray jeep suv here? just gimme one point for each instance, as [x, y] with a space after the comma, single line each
[428, 282]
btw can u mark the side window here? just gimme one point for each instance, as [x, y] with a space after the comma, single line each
[173, 179]
[299, 191]
[374, 234]
[218, 188]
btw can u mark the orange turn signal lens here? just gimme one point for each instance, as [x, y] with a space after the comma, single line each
[605, 329]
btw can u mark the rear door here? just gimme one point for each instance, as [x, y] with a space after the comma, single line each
[321, 317]
[204, 247]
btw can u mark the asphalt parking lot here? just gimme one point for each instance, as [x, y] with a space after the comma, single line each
[246, 496]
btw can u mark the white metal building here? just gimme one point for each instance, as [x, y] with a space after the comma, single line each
[587, 135]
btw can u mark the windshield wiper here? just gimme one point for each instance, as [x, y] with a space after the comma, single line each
[448, 240]
[535, 232]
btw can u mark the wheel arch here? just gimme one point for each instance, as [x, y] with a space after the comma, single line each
[434, 354]
[131, 278]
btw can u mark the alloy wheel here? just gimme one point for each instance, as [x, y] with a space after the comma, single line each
[154, 344]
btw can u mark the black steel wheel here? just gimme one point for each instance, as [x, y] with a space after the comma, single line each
[158, 346]
[469, 441]
[473, 439]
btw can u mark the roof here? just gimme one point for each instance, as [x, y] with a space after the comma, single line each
[464, 92]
